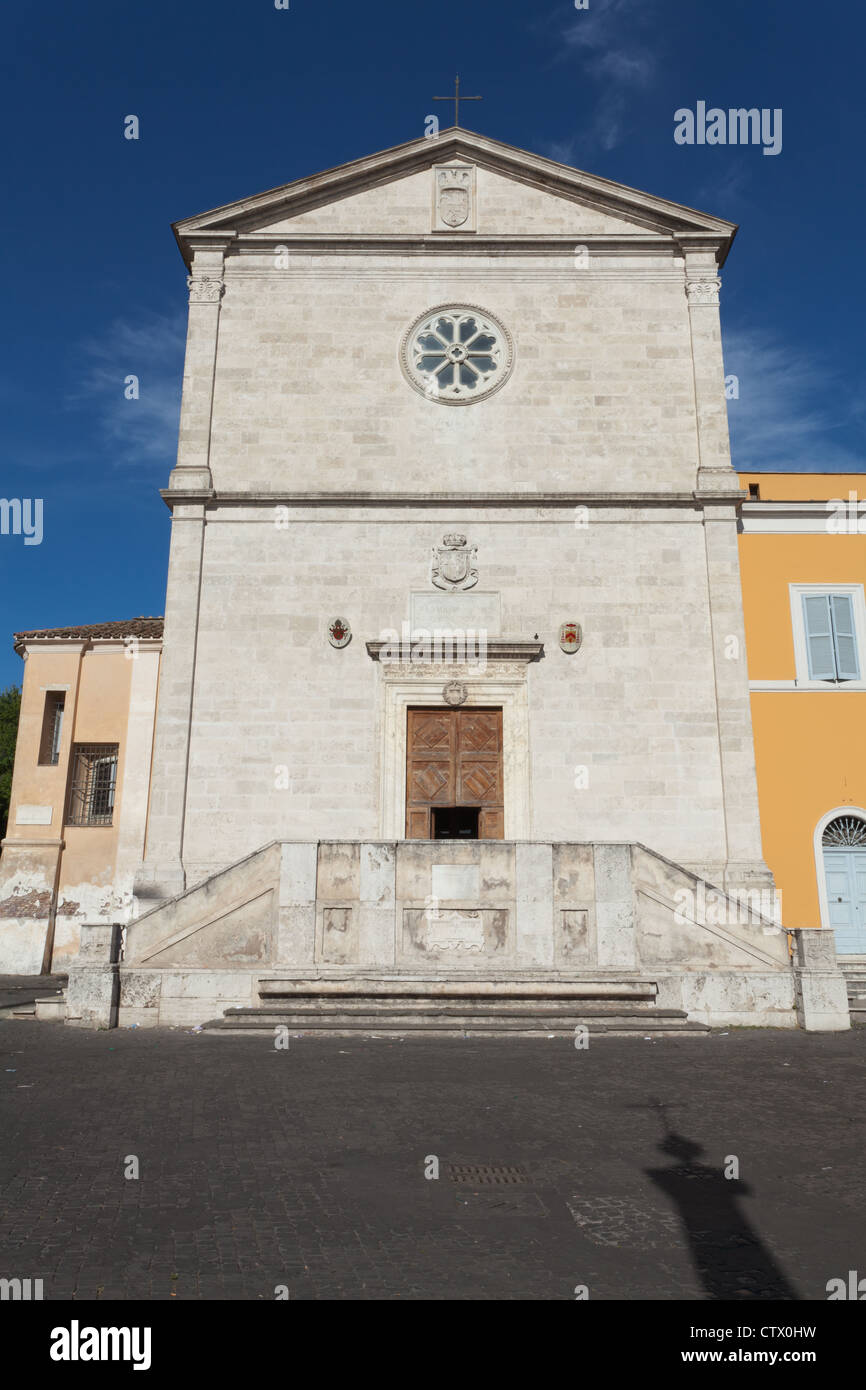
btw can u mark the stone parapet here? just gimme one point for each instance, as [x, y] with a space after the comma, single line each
[549, 913]
[821, 987]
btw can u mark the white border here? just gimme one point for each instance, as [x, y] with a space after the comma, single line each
[823, 902]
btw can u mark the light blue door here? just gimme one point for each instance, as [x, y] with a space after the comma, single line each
[845, 870]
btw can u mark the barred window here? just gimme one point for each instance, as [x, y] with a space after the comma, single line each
[92, 784]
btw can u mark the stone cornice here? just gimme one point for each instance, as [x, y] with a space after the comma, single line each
[89, 644]
[19, 842]
[457, 243]
[209, 498]
[588, 190]
[495, 649]
[69, 645]
[782, 516]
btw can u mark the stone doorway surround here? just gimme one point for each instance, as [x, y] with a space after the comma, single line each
[502, 681]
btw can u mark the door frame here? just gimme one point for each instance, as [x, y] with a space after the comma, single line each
[820, 874]
[503, 688]
[456, 757]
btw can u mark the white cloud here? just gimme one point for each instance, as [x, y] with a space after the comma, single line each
[607, 39]
[150, 348]
[789, 406]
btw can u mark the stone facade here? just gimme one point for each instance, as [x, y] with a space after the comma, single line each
[56, 876]
[312, 481]
[327, 510]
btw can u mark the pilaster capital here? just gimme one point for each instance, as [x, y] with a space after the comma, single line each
[702, 290]
[205, 289]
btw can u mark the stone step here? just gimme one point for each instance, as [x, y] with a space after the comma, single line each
[398, 1017]
[432, 987]
[51, 1008]
[459, 1028]
[463, 1004]
[457, 1018]
[426, 1004]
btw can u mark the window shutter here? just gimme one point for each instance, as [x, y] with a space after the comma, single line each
[844, 640]
[819, 637]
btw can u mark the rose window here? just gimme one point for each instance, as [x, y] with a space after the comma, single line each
[456, 355]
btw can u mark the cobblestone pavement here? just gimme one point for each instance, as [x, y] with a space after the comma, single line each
[306, 1167]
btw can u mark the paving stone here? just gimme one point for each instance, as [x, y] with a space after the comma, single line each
[309, 1171]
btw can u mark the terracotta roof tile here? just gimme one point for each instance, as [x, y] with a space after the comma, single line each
[124, 627]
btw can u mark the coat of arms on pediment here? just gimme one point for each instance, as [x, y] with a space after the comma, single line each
[454, 564]
[454, 197]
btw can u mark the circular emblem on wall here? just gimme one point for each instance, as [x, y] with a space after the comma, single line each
[454, 693]
[339, 633]
[570, 637]
[457, 354]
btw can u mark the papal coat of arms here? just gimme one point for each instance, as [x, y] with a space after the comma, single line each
[454, 564]
[339, 633]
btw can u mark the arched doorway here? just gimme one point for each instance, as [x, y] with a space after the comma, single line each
[843, 849]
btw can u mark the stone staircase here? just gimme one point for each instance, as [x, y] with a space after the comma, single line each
[386, 1007]
[33, 996]
[854, 970]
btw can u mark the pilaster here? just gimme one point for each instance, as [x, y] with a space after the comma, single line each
[745, 865]
[206, 287]
[702, 285]
[162, 874]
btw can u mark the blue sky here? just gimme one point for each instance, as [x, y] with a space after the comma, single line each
[235, 98]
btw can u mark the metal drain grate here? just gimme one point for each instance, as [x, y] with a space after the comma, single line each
[487, 1175]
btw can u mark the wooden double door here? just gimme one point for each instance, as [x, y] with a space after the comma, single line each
[454, 782]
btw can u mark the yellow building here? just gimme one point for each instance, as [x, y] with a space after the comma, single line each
[80, 786]
[803, 566]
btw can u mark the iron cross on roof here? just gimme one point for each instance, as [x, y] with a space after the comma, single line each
[457, 98]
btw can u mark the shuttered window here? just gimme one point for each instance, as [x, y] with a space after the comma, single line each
[52, 728]
[830, 640]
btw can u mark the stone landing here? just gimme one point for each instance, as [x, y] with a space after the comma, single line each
[507, 919]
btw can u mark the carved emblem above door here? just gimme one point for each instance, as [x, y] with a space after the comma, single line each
[454, 565]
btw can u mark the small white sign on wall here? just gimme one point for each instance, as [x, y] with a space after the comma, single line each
[34, 815]
[456, 881]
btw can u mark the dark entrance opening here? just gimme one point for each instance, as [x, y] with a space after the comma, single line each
[455, 822]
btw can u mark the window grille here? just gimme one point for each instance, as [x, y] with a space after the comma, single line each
[92, 784]
[845, 830]
[52, 728]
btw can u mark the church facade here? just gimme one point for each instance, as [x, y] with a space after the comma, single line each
[329, 456]
[453, 692]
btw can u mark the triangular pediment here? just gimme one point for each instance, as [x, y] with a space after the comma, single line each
[519, 195]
